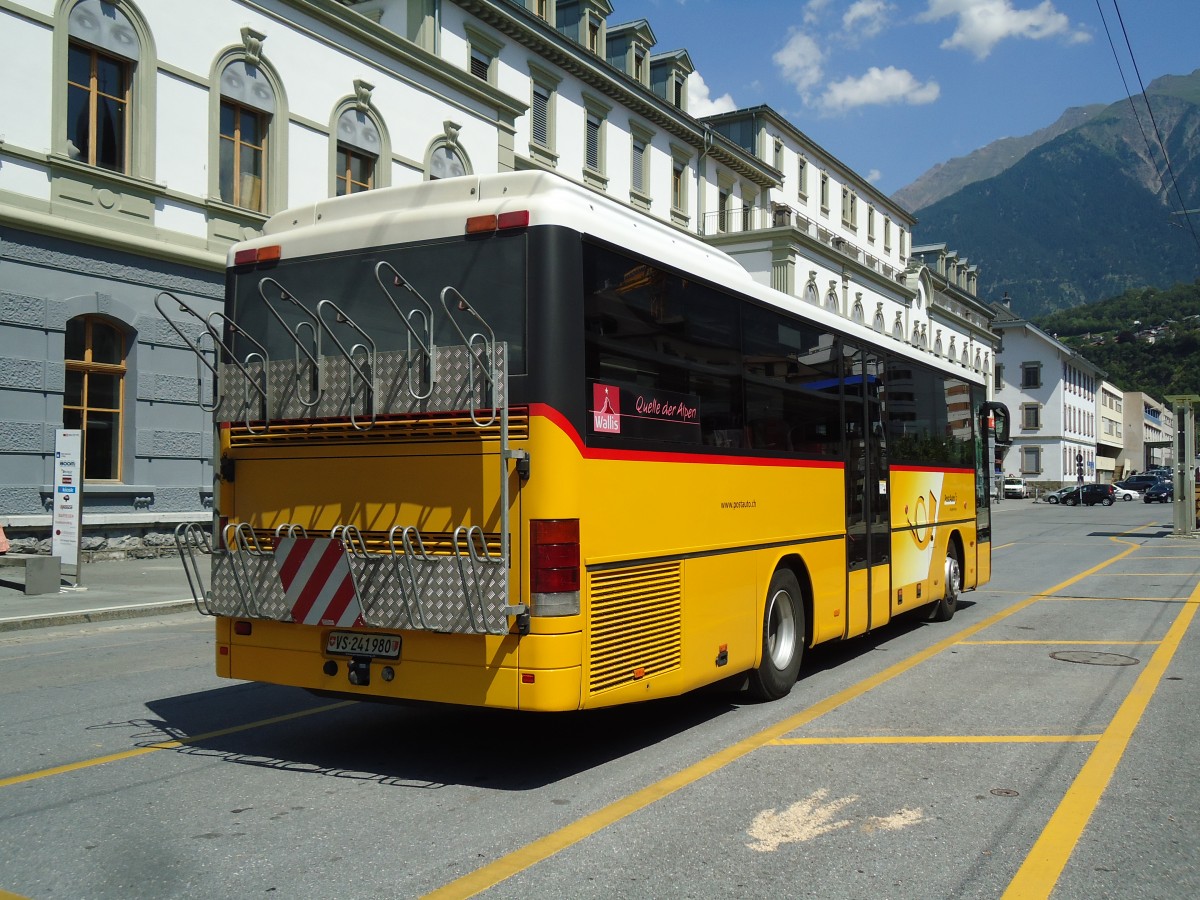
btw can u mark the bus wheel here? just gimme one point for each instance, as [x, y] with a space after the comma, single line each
[943, 610]
[782, 639]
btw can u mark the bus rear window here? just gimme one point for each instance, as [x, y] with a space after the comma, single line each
[490, 273]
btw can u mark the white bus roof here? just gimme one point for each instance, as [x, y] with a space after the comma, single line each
[440, 209]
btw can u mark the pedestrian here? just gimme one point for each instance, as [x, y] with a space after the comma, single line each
[4, 545]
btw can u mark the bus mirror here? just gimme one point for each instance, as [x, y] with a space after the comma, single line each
[997, 413]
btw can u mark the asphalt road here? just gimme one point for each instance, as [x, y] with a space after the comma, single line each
[1044, 742]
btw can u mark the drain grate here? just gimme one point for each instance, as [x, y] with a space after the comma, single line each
[1094, 658]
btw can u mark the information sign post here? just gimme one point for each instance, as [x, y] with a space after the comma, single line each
[66, 523]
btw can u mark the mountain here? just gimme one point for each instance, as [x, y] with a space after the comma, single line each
[1086, 214]
[1144, 340]
[946, 178]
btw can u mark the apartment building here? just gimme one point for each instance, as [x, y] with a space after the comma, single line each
[1052, 393]
[148, 137]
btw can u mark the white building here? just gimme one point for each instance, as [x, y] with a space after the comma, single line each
[1112, 460]
[1149, 432]
[142, 138]
[1051, 392]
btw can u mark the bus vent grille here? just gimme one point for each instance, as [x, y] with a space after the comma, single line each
[634, 623]
[394, 429]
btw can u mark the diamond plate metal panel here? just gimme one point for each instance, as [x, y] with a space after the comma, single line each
[244, 584]
[341, 390]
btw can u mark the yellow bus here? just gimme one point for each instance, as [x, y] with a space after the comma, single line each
[501, 441]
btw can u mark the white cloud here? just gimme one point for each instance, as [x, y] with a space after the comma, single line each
[874, 176]
[982, 24]
[799, 61]
[879, 87]
[866, 18]
[701, 104]
[814, 10]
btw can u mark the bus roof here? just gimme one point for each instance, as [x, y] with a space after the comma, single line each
[439, 209]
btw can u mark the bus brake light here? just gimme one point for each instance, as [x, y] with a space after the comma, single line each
[482, 224]
[553, 556]
[257, 255]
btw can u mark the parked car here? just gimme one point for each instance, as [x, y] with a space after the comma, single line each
[1126, 493]
[1103, 494]
[1014, 487]
[1129, 484]
[1057, 496]
[1141, 482]
[1163, 492]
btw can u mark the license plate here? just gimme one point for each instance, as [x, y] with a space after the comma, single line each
[353, 643]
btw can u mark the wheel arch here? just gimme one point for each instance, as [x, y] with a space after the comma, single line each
[795, 563]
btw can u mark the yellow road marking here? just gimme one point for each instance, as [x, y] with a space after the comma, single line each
[493, 873]
[1046, 860]
[943, 739]
[166, 745]
[1065, 641]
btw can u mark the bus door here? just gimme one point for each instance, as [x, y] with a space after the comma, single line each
[868, 518]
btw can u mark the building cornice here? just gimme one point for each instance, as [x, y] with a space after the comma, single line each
[556, 49]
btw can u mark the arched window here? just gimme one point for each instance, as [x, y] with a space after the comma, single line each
[359, 147]
[108, 116]
[247, 109]
[95, 391]
[447, 160]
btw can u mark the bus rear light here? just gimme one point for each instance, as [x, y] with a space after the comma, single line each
[516, 219]
[527, 678]
[257, 255]
[481, 224]
[243, 628]
[554, 567]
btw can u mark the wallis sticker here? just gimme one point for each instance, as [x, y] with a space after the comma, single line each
[645, 413]
[606, 409]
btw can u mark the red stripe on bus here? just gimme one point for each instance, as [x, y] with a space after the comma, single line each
[553, 416]
[949, 470]
[292, 562]
[340, 600]
[316, 581]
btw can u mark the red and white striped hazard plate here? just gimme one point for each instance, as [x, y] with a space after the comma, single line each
[317, 582]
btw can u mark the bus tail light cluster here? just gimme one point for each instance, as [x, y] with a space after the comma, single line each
[253, 255]
[554, 567]
[518, 218]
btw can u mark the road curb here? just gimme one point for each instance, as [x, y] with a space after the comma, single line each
[84, 616]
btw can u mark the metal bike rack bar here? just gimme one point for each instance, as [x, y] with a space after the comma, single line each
[313, 356]
[250, 382]
[422, 337]
[368, 379]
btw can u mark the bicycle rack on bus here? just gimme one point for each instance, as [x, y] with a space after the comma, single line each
[189, 537]
[250, 381]
[423, 337]
[314, 379]
[367, 378]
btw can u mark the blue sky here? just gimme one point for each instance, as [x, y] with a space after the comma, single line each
[894, 87]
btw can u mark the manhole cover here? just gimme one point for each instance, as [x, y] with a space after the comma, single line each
[1093, 658]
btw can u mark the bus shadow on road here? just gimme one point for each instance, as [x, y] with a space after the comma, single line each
[415, 746]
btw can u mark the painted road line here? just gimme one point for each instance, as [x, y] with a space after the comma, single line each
[166, 745]
[1046, 860]
[519, 860]
[941, 739]
[1052, 643]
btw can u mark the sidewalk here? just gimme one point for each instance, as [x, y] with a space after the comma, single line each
[110, 589]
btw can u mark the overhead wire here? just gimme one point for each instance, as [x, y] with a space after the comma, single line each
[1174, 185]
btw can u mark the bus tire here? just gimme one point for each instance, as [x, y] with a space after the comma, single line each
[782, 638]
[943, 610]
